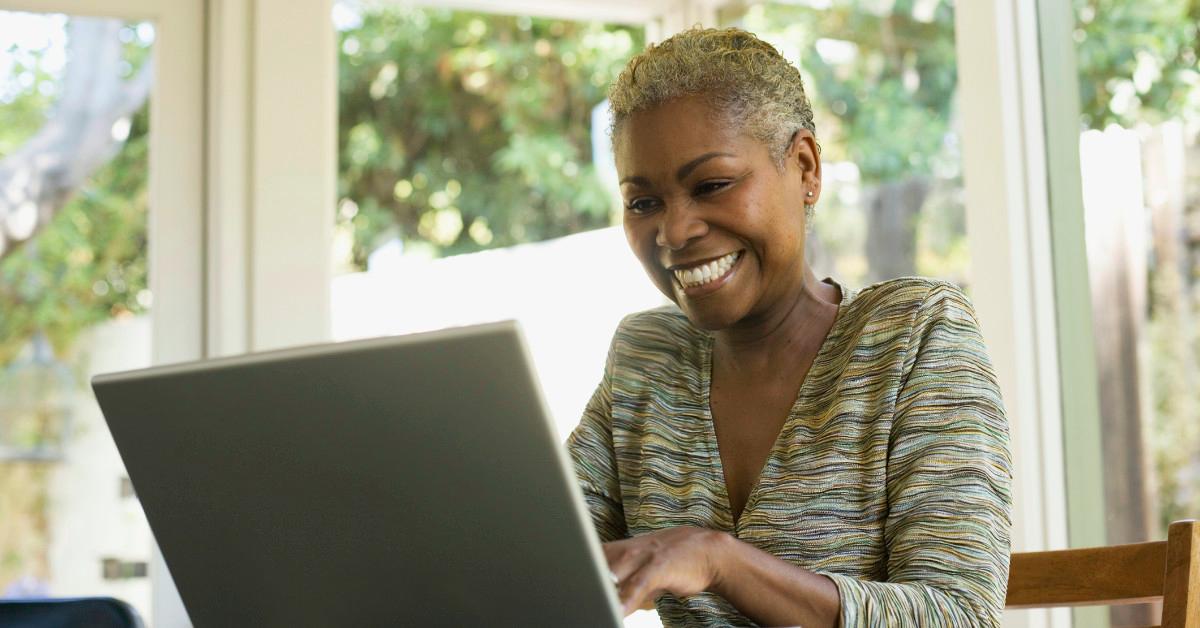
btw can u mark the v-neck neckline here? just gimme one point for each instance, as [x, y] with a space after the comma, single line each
[820, 362]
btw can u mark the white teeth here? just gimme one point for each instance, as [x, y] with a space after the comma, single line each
[700, 275]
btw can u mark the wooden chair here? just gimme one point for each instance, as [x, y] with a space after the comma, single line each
[1120, 574]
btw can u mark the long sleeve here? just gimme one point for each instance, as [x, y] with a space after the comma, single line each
[948, 482]
[591, 449]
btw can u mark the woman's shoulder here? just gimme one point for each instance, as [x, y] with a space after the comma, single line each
[660, 335]
[665, 325]
[908, 289]
[909, 300]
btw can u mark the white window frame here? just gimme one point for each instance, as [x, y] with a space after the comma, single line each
[272, 159]
[616, 11]
[1008, 228]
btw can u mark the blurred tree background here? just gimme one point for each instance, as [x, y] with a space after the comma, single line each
[462, 131]
[882, 78]
[1138, 67]
[88, 263]
[84, 266]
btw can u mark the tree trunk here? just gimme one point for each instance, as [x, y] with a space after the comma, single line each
[1114, 201]
[81, 135]
[892, 213]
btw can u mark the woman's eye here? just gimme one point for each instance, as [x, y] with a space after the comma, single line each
[708, 187]
[641, 205]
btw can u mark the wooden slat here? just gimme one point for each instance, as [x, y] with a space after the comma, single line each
[1181, 598]
[1118, 574]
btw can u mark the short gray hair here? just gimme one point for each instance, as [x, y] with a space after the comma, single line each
[741, 76]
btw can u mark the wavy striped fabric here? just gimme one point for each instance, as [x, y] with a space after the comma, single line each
[891, 475]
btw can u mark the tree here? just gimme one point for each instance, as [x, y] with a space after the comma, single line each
[461, 131]
[1137, 60]
[88, 125]
[78, 257]
[87, 262]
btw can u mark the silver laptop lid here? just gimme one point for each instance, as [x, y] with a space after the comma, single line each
[411, 480]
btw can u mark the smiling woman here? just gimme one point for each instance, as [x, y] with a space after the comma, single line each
[774, 448]
[734, 202]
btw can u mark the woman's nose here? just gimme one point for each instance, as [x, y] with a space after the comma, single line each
[677, 226]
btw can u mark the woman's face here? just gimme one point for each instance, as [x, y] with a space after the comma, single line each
[717, 225]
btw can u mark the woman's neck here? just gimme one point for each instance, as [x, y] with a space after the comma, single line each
[768, 344]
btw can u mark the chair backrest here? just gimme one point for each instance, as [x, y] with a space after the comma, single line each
[1119, 574]
[94, 612]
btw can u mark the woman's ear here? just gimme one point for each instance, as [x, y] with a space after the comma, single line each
[805, 153]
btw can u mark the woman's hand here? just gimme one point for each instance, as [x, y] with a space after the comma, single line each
[680, 561]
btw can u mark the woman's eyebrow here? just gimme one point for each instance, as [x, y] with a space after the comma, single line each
[687, 168]
[683, 171]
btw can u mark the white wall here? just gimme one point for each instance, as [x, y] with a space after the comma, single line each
[88, 519]
[568, 294]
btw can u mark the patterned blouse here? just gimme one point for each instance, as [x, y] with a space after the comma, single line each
[891, 474]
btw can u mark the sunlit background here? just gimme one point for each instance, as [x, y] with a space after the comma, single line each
[475, 184]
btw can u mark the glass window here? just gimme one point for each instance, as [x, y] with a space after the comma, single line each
[1139, 87]
[75, 300]
[881, 77]
[475, 183]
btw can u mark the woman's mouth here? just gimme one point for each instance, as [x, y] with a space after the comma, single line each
[707, 275]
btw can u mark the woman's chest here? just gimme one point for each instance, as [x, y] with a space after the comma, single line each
[747, 422]
[820, 493]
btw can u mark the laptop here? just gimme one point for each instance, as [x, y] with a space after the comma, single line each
[403, 481]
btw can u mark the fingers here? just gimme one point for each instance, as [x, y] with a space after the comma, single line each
[652, 564]
[625, 557]
[639, 588]
[628, 562]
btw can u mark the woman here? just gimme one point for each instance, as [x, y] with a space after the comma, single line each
[779, 449]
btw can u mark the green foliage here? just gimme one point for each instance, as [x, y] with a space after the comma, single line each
[888, 106]
[461, 131]
[1137, 60]
[89, 264]
[25, 107]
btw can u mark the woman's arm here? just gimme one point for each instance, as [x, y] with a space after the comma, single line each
[772, 591]
[948, 483]
[686, 560]
[591, 448]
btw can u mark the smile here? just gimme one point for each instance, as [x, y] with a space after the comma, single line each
[707, 272]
